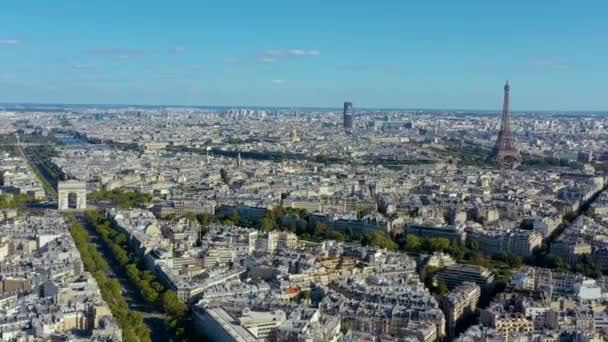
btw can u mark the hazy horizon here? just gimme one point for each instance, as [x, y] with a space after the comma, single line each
[334, 109]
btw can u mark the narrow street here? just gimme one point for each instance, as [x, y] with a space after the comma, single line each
[154, 318]
[33, 160]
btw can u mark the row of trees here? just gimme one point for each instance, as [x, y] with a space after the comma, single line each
[122, 199]
[276, 156]
[273, 220]
[8, 201]
[501, 263]
[143, 280]
[468, 253]
[296, 221]
[48, 187]
[381, 240]
[151, 290]
[586, 265]
[415, 244]
[437, 287]
[44, 154]
[328, 159]
[464, 154]
[131, 322]
[546, 162]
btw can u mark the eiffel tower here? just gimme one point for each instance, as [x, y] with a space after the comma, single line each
[505, 152]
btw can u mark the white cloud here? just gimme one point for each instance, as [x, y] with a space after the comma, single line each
[274, 56]
[556, 64]
[300, 52]
[83, 67]
[278, 81]
[296, 52]
[178, 49]
[372, 67]
[9, 42]
[114, 52]
[268, 60]
[273, 53]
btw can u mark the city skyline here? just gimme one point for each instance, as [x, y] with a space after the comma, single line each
[276, 171]
[401, 55]
[248, 224]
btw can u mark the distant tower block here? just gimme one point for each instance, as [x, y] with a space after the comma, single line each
[505, 152]
[208, 155]
[294, 136]
[71, 187]
[239, 162]
[348, 116]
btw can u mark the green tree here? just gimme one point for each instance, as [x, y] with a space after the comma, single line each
[292, 226]
[225, 177]
[588, 267]
[205, 219]
[516, 261]
[100, 263]
[235, 217]
[412, 243]
[267, 224]
[381, 240]
[335, 235]
[129, 335]
[305, 295]
[429, 275]
[172, 305]
[18, 202]
[550, 261]
[121, 238]
[440, 244]
[301, 227]
[442, 288]
[120, 254]
[150, 295]
[131, 323]
[279, 212]
[190, 216]
[320, 229]
[457, 251]
[362, 212]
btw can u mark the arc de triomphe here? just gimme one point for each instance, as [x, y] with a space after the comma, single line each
[65, 188]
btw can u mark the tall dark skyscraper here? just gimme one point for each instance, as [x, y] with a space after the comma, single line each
[505, 152]
[348, 115]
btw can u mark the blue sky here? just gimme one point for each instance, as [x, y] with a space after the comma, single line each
[383, 53]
